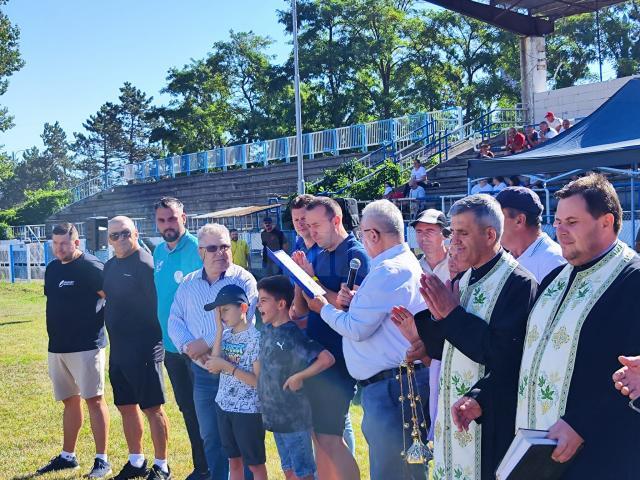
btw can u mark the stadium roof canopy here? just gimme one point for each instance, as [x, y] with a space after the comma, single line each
[524, 17]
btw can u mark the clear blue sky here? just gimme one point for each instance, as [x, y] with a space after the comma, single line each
[78, 53]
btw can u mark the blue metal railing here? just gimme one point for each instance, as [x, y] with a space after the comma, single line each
[354, 137]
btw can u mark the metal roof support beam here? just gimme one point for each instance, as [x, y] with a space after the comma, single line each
[499, 17]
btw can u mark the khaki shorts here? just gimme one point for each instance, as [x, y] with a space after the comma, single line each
[77, 373]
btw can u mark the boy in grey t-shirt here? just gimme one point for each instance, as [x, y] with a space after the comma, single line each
[235, 357]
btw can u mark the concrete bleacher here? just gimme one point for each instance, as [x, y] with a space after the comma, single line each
[200, 193]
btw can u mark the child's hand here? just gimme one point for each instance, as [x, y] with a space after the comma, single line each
[218, 317]
[216, 364]
[293, 383]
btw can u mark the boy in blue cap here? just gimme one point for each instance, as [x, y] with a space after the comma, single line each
[235, 357]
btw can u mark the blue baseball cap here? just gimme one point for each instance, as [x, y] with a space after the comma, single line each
[228, 295]
[522, 199]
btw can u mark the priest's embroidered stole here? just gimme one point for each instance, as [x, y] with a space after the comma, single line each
[553, 333]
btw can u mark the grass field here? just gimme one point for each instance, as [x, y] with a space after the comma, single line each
[30, 419]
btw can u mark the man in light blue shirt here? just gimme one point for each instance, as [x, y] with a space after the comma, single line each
[374, 347]
[174, 258]
[192, 330]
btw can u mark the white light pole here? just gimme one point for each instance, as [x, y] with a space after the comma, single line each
[296, 81]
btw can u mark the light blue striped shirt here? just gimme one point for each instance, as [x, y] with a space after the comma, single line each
[187, 319]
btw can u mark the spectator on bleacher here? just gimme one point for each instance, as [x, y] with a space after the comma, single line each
[418, 195]
[77, 341]
[388, 190]
[193, 330]
[418, 174]
[532, 136]
[498, 184]
[566, 125]
[239, 250]
[546, 133]
[482, 186]
[174, 258]
[554, 122]
[273, 238]
[137, 351]
[485, 151]
[523, 236]
[514, 181]
[516, 141]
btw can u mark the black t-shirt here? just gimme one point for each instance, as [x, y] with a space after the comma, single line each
[284, 350]
[130, 314]
[71, 288]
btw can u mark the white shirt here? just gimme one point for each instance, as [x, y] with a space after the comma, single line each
[550, 134]
[387, 190]
[371, 342]
[498, 188]
[418, 174]
[542, 256]
[477, 188]
[557, 122]
[417, 193]
[441, 271]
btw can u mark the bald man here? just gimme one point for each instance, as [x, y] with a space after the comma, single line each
[135, 362]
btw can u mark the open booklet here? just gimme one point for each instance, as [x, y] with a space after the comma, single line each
[529, 458]
[295, 273]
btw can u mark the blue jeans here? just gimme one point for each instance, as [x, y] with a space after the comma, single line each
[382, 426]
[296, 453]
[205, 388]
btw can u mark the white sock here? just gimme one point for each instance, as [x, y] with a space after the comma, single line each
[102, 456]
[163, 464]
[136, 459]
[68, 455]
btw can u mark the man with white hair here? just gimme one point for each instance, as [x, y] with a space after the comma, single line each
[373, 346]
[476, 329]
[135, 360]
[193, 330]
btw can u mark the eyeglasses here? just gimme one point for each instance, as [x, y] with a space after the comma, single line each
[215, 248]
[377, 232]
[633, 406]
[116, 235]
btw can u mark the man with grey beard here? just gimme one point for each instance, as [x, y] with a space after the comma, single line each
[174, 258]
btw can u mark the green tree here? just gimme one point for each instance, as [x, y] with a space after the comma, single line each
[199, 115]
[100, 149]
[134, 115]
[10, 61]
[621, 37]
[56, 154]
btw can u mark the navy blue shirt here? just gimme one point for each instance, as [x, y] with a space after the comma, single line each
[310, 253]
[332, 270]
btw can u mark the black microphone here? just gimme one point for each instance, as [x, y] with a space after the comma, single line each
[354, 265]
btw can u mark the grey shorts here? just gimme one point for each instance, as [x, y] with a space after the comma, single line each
[77, 373]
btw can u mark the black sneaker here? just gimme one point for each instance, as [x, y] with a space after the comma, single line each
[129, 471]
[100, 469]
[195, 475]
[156, 473]
[57, 464]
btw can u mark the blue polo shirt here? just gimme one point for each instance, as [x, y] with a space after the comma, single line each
[332, 270]
[310, 253]
[170, 267]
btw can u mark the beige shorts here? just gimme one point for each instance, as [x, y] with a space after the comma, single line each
[77, 373]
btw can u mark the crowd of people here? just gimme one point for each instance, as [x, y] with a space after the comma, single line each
[517, 141]
[496, 327]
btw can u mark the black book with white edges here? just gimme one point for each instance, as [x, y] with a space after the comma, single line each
[529, 458]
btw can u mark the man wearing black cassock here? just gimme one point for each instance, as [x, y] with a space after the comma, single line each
[477, 330]
[586, 315]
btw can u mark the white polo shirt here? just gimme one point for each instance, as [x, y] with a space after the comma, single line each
[542, 256]
[441, 270]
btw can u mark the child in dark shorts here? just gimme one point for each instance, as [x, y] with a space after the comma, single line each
[234, 356]
[288, 358]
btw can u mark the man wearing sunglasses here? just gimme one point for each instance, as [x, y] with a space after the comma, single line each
[193, 330]
[135, 362]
